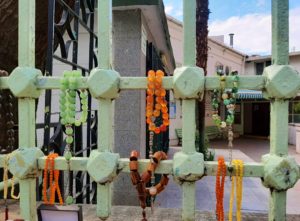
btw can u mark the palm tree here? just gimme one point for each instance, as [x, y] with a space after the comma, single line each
[202, 51]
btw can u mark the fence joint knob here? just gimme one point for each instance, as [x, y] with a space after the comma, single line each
[282, 82]
[188, 83]
[188, 167]
[23, 162]
[104, 83]
[280, 173]
[102, 166]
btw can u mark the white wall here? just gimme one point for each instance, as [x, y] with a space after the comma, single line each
[292, 134]
[295, 62]
[220, 55]
[176, 36]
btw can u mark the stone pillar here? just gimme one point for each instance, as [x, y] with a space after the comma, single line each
[130, 126]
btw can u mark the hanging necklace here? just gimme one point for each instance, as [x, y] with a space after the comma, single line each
[237, 181]
[156, 102]
[69, 87]
[156, 107]
[229, 100]
[53, 180]
[140, 181]
[220, 181]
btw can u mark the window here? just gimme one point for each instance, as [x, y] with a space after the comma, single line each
[238, 114]
[227, 70]
[294, 112]
[219, 68]
[259, 68]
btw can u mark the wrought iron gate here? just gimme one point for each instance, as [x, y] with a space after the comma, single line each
[66, 20]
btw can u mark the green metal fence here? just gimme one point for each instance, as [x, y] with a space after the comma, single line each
[280, 83]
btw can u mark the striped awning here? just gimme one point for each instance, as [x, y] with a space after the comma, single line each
[250, 95]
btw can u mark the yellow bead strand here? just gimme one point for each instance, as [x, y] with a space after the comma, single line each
[237, 181]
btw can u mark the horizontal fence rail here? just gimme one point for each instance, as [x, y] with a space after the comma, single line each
[165, 167]
[137, 83]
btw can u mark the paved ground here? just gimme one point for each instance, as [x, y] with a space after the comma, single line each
[129, 213]
[255, 196]
[255, 148]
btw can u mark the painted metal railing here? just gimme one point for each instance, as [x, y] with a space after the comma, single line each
[280, 82]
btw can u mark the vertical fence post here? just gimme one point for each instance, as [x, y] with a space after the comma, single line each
[26, 57]
[279, 108]
[105, 108]
[188, 106]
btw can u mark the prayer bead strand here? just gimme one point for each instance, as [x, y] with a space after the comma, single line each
[237, 181]
[220, 181]
[140, 181]
[53, 181]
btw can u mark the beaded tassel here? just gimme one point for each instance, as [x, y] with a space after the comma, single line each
[220, 181]
[237, 181]
[53, 181]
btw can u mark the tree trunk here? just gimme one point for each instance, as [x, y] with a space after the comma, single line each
[202, 55]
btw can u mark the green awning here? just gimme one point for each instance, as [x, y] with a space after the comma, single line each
[250, 95]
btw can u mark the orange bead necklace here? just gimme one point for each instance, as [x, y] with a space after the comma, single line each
[53, 180]
[220, 181]
[156, 102]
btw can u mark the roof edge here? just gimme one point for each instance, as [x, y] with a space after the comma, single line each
[179, 23]
[117, 3]
[161, 10]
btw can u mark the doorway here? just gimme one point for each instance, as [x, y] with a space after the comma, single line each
[256, 118]
[261, 119]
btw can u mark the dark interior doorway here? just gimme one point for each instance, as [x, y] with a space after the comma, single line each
[261, 119]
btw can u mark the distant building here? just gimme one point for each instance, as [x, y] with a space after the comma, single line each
[252, 110]
[257, 109]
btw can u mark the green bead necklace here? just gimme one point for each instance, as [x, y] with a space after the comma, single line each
[229, 100]
[69, 86]
[228, 97]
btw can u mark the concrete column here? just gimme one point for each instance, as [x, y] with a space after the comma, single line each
[130, 128]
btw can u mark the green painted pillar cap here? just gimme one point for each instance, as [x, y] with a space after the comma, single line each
[280, 173]
[22, 82]
[104, 83]
[102, 166]
[188, 167]
[282, 82]
[188, 83]
[23, 162]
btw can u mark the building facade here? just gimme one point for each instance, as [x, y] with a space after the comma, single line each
[252, 110]
[258, 110]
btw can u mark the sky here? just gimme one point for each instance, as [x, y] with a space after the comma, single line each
[249, 20]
